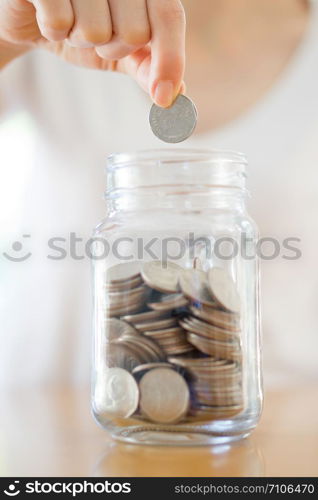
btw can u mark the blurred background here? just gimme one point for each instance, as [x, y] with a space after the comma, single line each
[254, 76]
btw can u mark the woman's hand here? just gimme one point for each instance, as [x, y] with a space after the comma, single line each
[143, 38]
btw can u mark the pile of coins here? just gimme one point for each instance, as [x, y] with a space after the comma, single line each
[172, 344]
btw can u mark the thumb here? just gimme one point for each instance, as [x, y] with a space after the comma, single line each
[138, 66]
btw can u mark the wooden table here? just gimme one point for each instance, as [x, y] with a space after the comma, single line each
[51, 433]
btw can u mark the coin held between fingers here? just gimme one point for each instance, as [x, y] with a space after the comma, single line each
[176, 123]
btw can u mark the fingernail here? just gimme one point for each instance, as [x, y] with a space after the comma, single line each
[183, 88]
[164, 93]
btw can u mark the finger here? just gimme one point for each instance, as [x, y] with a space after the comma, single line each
[55, 19]
[167, 21]
[92, 24]
[130, 27]
[138, 67]
[86, 58]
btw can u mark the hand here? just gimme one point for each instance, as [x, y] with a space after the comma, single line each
[142, 38]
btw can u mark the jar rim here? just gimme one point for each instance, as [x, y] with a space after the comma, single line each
[175, 155]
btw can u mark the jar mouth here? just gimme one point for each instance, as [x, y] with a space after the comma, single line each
[176, 155]
[191, 169]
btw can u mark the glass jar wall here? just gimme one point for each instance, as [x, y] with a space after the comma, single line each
[176, 305]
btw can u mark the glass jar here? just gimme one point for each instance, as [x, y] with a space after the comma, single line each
[176, 300]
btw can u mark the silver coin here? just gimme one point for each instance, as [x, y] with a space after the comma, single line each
[145, 317]
[219, 401]
[173, 348]
[194, 285]
[180, 342]
[230, 334]
[118, 299]
[156, 325]
[116, 393]
[204, 412]
[173, 332]
[126, 309]
[116, 328]
[218, 385]
[151, 366]
[123, 272]
[125, 304]
[123, 355]
[226, 346]
[216, 371]
[209, 331]
[169, 302]
[162, 276]
[211, 347]
[123, 286]
[176, 123]
[146, 347]
[223, 289]
[164, 396]
[218, 389]
[195, 362]
[217, 377]
[216, 317]
[215, 409]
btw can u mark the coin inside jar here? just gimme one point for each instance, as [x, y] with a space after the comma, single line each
[162, 276]
[169, 302]
[122, 286]
[209, 331]
[169, 318]
[117, 393]
[136, 319]
[216, 317]
[156, 325]
[164, 396]
[215, 348]
[223, 289]
[124, 271]
[120, 354]
[116, 328]
[151, 366]
[194, 285]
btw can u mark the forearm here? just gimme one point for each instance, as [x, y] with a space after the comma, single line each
[9, 52]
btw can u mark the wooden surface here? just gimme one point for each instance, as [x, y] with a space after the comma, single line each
[51, 433]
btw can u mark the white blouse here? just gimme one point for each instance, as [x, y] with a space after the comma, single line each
[58, 125]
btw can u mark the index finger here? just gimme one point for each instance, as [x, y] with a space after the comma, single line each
[167, 20]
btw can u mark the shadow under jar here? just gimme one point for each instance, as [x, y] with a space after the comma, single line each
[176, 301]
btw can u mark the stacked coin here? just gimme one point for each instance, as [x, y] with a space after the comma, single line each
[125, 292]
[127, 349]
[216, 385]
[160, 316]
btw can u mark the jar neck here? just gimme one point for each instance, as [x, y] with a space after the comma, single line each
[183, 180]
[186, 198]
